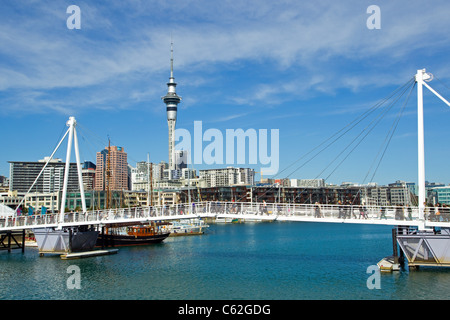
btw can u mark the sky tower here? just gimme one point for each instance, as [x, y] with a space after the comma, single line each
[171, 99]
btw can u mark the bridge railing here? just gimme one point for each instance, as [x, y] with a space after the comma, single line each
[26, 221]
[318, 211]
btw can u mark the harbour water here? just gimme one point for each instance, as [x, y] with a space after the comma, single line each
[247, 261]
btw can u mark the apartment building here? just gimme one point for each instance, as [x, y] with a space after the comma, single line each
[111, 161]
[229, 176]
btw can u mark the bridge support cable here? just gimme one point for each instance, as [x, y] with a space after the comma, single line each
[390, 135]
[42, 170]
[386, 142]
[444, 84]
[396, 94]
[368, 129]
[340, 133]
[89, 136]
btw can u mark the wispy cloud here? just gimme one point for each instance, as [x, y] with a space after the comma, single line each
[228, 118]
[125, 47]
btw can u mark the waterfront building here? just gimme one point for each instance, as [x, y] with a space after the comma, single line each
[158, 170]
[140, 175]
[266, 181]
[141, 198]
[140, 178]
[283, 182]
[168, 184]
[317, 183]
[88, 173]
[442, 194]
[188, 173]
[23, 174]
[49, 200]
[4, 181]
[181, 159]
[401, 193]
[36, 200]
[293, 182]
[378, 196]
[11, 198]
[429, 190]
[229, 176]
[274, 194]
[113, 161]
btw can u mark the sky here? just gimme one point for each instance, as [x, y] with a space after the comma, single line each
[304, 68]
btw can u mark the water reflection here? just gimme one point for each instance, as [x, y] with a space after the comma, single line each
[239, 261]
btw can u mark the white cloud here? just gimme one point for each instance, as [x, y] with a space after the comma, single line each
[326, 45]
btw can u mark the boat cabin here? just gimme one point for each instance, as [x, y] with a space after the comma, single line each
[141, 231]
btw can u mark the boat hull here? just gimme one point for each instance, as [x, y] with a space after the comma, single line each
[186, 232]
[118, 240]
[188, 227]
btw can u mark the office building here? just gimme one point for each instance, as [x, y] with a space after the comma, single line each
[88, 173]
[442, 194]
[111, 171]
[23, 174]
[228, 176]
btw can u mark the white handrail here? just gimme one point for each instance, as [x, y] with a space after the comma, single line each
[348, 213]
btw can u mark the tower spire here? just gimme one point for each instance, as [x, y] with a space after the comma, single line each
[171, 59]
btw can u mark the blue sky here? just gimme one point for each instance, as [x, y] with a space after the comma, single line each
[305, 68]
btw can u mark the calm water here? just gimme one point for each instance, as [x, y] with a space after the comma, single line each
[278, 260]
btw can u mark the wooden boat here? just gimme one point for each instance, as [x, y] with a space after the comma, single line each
[131, 235]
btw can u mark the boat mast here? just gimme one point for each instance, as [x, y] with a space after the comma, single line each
[151, 184]
[107, 204]
[189, 189]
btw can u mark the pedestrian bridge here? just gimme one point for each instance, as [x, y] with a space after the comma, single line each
[382, 215]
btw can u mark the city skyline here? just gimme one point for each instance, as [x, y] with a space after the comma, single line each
[305, 70]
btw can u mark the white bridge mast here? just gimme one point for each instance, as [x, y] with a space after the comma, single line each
[72, 134]
[71, 123]
[421, 77]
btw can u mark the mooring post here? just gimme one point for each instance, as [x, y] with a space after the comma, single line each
[23, 241]
[9, 241]
[394, 245]
[70, 240]
[103, 237]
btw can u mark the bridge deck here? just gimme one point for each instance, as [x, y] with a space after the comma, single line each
[391, 215]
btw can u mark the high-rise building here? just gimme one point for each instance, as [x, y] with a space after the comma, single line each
[181, 159]
[111, 161]
[88, 173]
[141, 175]
[171, 99]
[23, 174]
